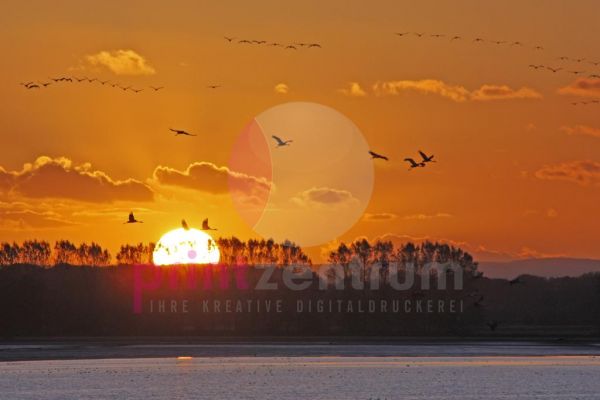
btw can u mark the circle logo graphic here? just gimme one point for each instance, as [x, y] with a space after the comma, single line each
[302, 173]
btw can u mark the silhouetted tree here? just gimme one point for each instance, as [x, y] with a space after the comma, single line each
[65, 252]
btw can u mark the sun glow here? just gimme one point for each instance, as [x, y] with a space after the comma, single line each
[186, 246]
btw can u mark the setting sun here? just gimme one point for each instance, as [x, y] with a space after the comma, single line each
[186, 246]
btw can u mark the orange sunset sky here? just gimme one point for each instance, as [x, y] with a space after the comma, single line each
[518, 171]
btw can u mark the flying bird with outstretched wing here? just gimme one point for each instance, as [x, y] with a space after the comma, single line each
[375, 155]
[185, 225]
[181, 132]
[131, 219]
[281, 142]
[206, 227]
[426, 158]
[413, 163]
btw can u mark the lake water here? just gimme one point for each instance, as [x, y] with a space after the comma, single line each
[319, 377]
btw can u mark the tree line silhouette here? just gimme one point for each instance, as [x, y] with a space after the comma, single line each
[235, 252]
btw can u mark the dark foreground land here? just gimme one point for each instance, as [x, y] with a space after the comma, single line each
[88, 302]
[95, 348]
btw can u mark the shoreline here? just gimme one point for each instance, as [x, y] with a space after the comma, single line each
[38, 349]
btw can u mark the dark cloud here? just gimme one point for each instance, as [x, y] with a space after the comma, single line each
[60, 178]
[210, 178]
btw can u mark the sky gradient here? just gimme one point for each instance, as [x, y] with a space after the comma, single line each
[518, 171]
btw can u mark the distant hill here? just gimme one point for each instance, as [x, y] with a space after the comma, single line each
[545, 267]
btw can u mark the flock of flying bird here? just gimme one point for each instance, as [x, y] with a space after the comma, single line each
[290, 46]
[205, 226]
[279, 142]
[73, 79]
[517, 43]
[537, 67]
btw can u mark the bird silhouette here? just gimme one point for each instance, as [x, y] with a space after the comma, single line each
[455, 38]
[516, 44]
[498, 41]
[413, 163]
[417, 34]
[554, 70]
[244, 41]
[85, 78]
[477, 275]
[132, 220]
[426, 158]
[492, 325]
[281, 142]
[213, 86]
[275, 44]
[402, 33]
[437, 35]
[289, 46]
[478, 302]
[185, 225]
[45, 84]
[594, 76]
[514, 281]
[181, 132]
[229, 39]
[136, 90]
[576, 72]
[157, 88]
[478, 40]
[538, 48]
[206, 227]
[33, 86]
[103, 82]
[534, 66]
[563, 58]
[314, 45]
[375, 155]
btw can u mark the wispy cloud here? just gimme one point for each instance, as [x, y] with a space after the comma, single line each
[581, 130]
[324, 196]
[379, 216]
[121, 62]
[281, 88]
[503, 92]
[457, 93]
[353, 90]
[427, 216]
[433, 86]
[581, 172]
[586, 87]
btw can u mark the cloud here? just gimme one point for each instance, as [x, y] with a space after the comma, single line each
[208, 177]
[281, 88]
[121, 62]
[353, 90]
[581, 130]
[586, 87]
[455, 93]
[379, 216]
[427, 216]
[60, 178]
[528, 252]
[503, 92]
[22, 216]
[324, 196]
[581, 172]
